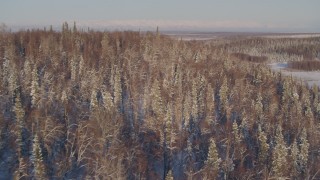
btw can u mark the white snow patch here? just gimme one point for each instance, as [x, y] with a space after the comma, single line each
[310, 77]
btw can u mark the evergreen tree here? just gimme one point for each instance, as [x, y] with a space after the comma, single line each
[304, 150]
[35, 92]
[93, 101]
[117, 88]
[294, 158]
[213, 161]
[279, 155]
[20, 124]
[223, 93]
[169, 175]
[39, 171]
[263, 145]
[157, 103]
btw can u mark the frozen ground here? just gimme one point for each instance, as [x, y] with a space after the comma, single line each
[185, 35]
[213, 35]
[310, 77]
[302, 35]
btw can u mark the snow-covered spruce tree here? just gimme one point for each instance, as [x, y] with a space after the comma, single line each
[93, 100]
[9, 67]
[74, 68]
[315, 90]
[177, 96]
[297, 104]
[257, 77]
[187, 107]
[117, 88]
[105, 46]
[5, 70]
[210, 109]
[286, 94]
[196, 57]
[306, 105]
[318, 110]
[210, 103]
[223, 94]
[13, 80]
[107, 100]
[39, 171]
[156, 101]
[304, 150]
[169, 175]
[22, 170]
[236, 134]
[20, 113]
[279, 155]
[294, 157]
[44, 92]
[213, 161]
[168, 126]
[309, 116]
[198, 96]
[259, 107]
[263, 146]
[195, 103]
[202, 94]
[64, 97]
[81, 66]
[35, 92]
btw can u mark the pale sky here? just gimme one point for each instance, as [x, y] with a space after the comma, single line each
[206, 15]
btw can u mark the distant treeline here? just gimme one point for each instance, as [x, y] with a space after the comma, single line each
[247, 57]
[305, 65]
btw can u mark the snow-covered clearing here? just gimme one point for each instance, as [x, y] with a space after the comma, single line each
[310, 77]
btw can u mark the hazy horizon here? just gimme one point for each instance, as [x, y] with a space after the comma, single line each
[202, 16]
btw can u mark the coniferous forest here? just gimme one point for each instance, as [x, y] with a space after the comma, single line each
[81, 104]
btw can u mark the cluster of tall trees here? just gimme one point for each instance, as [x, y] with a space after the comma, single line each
[130, 105]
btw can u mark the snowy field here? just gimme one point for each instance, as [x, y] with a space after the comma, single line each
[293, 35]
[310, 77]
[222, 35]
[213, 35]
